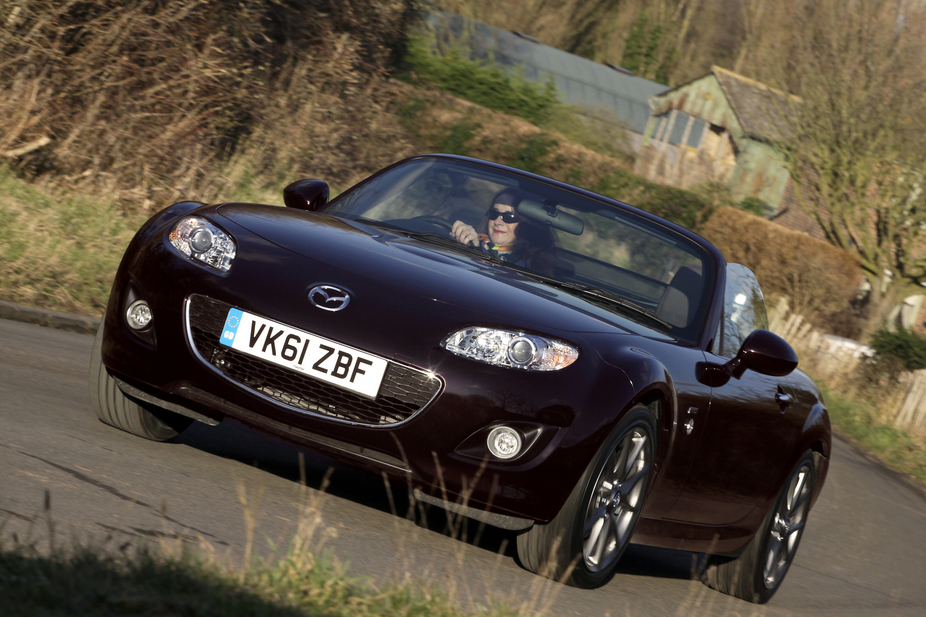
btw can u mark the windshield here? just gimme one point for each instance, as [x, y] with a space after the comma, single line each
[602, 253]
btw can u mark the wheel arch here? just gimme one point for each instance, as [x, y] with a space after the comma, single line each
[651, 385]
[661, 405]
[816, 433]
[654, 388]
[816, 436]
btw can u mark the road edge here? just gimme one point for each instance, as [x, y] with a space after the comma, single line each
[913, 482]
[84, 324]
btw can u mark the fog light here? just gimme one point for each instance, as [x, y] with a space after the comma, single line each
[139, 315]
[504, 442]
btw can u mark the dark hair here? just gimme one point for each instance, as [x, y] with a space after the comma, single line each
[534, 242]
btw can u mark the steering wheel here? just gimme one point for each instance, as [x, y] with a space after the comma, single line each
[435, 220]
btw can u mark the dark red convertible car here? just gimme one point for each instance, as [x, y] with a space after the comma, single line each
[579, 371]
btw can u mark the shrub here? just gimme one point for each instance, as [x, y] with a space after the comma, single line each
[902, 346]
[756, 206]
[677, 205]
[485, 84]
[456, 138]
[529, 153]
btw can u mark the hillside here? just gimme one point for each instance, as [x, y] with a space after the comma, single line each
[124, 108]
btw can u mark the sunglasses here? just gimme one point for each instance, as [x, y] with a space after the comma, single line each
[507, 217]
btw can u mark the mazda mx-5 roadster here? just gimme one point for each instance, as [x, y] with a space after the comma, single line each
[517, 350]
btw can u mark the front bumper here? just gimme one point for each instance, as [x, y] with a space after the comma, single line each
[571, 409]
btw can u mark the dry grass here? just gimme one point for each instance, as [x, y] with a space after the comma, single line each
[148, 101]
[41, 575]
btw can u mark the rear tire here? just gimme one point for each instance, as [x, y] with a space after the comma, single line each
[582, 545]
[115, 408]
[757, 573]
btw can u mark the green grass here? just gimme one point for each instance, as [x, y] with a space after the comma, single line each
[92, 583]
[861, 422]
[59, 250]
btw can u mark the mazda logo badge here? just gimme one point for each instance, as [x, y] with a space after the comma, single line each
[329, 297]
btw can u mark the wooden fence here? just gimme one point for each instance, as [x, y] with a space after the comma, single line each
[912, 412]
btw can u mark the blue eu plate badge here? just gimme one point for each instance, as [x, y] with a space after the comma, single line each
[231, 327]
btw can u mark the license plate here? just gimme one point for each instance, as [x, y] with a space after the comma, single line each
[332, 362]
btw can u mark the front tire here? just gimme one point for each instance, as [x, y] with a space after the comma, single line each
[757, 573]
[582, 545]
[115, 408]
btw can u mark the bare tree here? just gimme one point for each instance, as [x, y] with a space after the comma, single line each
[854, 146]
[753, 16]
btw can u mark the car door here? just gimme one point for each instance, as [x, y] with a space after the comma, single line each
[684, 435]
[746, 435]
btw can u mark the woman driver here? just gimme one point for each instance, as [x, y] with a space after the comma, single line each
[509, 236]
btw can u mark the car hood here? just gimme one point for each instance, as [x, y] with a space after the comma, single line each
[431, 271]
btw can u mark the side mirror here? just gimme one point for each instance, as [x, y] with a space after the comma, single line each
[765, 353]
[307, 195]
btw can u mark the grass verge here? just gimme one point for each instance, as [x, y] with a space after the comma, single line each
[862, 423]
[58, 250]
[152, 582]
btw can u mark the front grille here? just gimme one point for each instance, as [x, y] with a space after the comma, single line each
[403, 393]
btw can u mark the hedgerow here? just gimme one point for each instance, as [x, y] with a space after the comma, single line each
[819, 279]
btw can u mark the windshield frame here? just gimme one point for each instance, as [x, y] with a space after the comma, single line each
[708, 309]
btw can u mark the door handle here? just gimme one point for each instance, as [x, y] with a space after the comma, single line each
[784, 400]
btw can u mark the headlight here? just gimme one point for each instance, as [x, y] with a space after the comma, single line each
[511, 349]
[198, 238]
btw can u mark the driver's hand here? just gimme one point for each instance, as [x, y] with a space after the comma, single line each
[465, 234]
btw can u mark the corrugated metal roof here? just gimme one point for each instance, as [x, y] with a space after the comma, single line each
[763, 112]
[579, 81]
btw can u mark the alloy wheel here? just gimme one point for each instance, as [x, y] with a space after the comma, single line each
[616, 500]
[787, 526]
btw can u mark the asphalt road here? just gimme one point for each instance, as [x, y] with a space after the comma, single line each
[864, 551]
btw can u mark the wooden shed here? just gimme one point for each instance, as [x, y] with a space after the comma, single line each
[723, 127]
